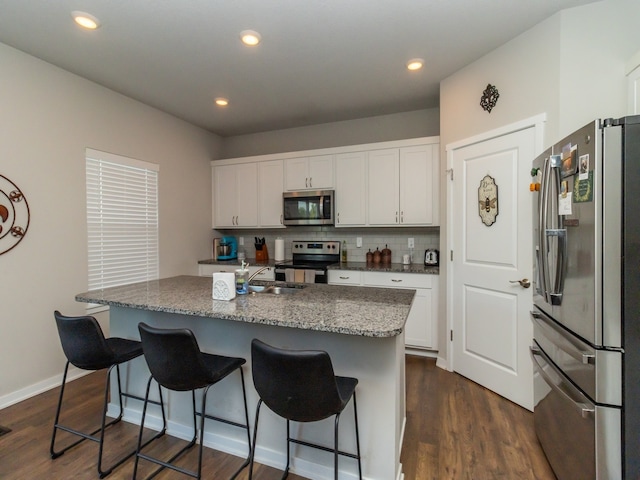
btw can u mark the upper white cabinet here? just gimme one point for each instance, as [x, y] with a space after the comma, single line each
[351, 189]
[403, 186]
[309, 173]
[270, 187]
[235, 194]
[386, 184]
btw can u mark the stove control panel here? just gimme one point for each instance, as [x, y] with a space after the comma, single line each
[316, 247]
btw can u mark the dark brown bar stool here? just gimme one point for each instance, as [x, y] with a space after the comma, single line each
[300, 386]
[176, 363]
[85, 347]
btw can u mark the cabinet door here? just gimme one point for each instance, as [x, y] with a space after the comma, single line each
[296, 174]
[271, 180]
[418, 331]
[383, 186]
[418, 185]
[321, 172]
[247, 195]
[350, 189]
[224, 194]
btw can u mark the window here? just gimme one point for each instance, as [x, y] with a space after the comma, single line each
[122, 220]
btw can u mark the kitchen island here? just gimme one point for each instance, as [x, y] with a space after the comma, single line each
[361, 328]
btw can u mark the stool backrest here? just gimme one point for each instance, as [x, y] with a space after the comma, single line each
[174, 358]
[83, 342]
[299, 385]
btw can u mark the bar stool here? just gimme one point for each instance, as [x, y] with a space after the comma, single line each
[176, 363]
[85, 347]
[300, 386]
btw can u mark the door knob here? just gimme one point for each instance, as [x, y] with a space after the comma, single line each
[524, 283]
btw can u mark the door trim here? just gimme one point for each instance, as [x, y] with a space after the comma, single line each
[537, 122]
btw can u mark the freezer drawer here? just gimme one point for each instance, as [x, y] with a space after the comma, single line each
[597, 371]
[580, 439]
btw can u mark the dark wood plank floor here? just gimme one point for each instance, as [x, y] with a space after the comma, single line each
[456, 429]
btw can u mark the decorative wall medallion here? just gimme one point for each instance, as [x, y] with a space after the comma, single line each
[488, 200]
[14, 215]
[489, 97]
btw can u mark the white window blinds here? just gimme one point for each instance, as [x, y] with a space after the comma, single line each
[122, 220]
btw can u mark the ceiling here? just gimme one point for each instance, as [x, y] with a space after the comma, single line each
[319, 60]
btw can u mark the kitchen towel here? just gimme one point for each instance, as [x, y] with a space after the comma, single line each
[309, 276]
[279, 254]
[224, 286]
[289, 274]
[299, 276]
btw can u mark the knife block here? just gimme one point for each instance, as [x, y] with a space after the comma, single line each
[262, 255]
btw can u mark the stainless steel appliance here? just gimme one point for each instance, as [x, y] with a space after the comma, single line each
[310, 260]
[586, 315]
[309, 207]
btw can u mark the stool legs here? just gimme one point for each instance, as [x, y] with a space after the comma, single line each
[90, 436]
[198, 434]
[290, 440]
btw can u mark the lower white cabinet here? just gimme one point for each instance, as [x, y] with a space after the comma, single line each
[421, 327]
[206, 270]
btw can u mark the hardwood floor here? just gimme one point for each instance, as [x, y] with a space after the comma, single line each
[456, 429]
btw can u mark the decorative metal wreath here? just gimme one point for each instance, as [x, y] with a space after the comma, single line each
[489, 97]
[14, 215]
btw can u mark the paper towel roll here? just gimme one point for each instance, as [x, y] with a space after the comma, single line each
[224, 286]
[279, 255]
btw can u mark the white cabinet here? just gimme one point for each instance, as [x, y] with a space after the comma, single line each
[403, 186]
[351, 189]
[270, 187]
[235, 195]
[421, 327]
[309, 173]
[206, 270]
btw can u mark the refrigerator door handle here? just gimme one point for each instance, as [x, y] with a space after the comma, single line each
[563, 388]
[542, 221]
[561, 264]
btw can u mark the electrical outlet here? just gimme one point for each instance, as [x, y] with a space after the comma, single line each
[411, 244]
[359, 242]
[241, 241]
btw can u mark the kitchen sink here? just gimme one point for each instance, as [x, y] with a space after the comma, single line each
[274, 289]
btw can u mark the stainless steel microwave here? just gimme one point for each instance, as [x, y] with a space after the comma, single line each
[315, 207]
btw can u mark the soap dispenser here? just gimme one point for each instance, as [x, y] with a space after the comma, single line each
[242, 279]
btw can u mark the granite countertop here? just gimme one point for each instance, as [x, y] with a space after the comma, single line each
[251, 261]
[390, 267]
[361, 266]
[362, 311]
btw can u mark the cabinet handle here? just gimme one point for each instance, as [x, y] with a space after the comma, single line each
[402, 216]
[338, 217]
[310, 181]
[395, 280]
[306, 182]
[281, 219]
[396, 216]
[345, 278]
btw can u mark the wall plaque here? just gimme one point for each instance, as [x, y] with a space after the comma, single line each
[488, 200]
[14, 215]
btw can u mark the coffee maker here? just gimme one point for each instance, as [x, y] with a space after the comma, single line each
[228, 248]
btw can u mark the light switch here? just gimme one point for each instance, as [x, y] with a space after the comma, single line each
[411, 244]
[359, 242]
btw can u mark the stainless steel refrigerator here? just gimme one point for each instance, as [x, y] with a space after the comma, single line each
[586, 314]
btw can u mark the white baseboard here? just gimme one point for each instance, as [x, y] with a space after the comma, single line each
[40, 387]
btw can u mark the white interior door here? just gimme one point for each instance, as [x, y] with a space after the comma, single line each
[490, 320]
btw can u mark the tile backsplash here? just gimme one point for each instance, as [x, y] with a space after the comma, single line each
[396, 239]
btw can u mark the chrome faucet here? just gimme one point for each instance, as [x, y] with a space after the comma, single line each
[257, 272]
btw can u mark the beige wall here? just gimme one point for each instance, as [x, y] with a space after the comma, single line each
[48, 118]
[414, 124]
[571, 67]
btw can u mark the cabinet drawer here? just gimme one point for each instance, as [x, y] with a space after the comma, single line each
[345, 277]
[397, 280]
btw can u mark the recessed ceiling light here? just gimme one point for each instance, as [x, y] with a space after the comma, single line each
[250, 38]
[415, 64]
[85, 20]
[222, 102]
